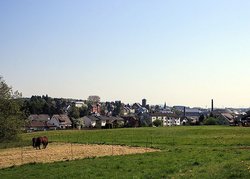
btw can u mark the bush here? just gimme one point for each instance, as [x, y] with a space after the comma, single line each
[210, 121]
[157, 123]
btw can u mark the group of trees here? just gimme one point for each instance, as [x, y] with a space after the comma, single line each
[45, 105]
[11, 115]
[76, 112]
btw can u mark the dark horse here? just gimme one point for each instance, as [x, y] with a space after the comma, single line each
[40, 140]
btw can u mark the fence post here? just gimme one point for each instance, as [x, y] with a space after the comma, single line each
[112, 144]
[72, 156]
[151, 139]
[21, 155]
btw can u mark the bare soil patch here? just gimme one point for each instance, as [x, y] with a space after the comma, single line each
[62, 152]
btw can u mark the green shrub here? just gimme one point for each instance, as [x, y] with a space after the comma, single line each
[157, 123]
[210, 121]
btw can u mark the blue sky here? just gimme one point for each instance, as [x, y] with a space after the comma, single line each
[178, 51]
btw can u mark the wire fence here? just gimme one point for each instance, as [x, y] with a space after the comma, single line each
[85, 145]
[76, 147]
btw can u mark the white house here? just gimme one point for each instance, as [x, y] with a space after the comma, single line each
[61, 121]
[166, 118]
[79, 104]
[100, 121]
[127, 110]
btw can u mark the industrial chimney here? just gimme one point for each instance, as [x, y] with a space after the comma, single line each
[212, 105]
[144, 102]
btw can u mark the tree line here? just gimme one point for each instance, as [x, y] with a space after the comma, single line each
[45, 105]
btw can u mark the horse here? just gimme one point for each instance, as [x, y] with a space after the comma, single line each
[40, 140]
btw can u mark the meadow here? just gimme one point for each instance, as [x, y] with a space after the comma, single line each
[186, 152]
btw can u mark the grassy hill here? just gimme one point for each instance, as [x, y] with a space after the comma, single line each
[199, 152]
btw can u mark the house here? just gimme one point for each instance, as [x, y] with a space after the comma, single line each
[127, 110]
[61, 121]
[168, 119]
[166, 110]
[225, 116]
[80, 104]
[131, 121]
[118, 122]
[184, 120]
[189, 120]
[142, 110]
[39, 117]
[136, 106]
[111, 121]
[173, 119]
[96, 108]
[39, 126]
[192, 112]
[101, 121]
[229, 118]
[139, 109]
[191, 115]
[90, 121]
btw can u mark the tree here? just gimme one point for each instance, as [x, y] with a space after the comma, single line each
[83, 111]
[201, 118]
[118, 108]
[44, 105]
[10, 112]
[210, 121]
[157, 123]
[74, 112]
[94, 99]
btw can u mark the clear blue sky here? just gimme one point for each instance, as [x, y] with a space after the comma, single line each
[178, 51]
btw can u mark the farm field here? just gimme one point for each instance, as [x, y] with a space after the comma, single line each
[64, 152]
[187, 151]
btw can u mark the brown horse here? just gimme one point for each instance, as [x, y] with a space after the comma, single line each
[40, 140]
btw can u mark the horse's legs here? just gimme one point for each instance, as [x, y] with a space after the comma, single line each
[38, 146]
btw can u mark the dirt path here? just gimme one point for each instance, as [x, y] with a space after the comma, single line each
[62, 152]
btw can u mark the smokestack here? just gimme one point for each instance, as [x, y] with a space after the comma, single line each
[212, 105]
[184, 111]
[144, 102]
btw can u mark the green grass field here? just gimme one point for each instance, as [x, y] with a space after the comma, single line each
[196, 152]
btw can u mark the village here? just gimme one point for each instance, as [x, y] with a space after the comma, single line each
[93, 114]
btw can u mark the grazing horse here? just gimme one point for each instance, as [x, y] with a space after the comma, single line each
[40, 140]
